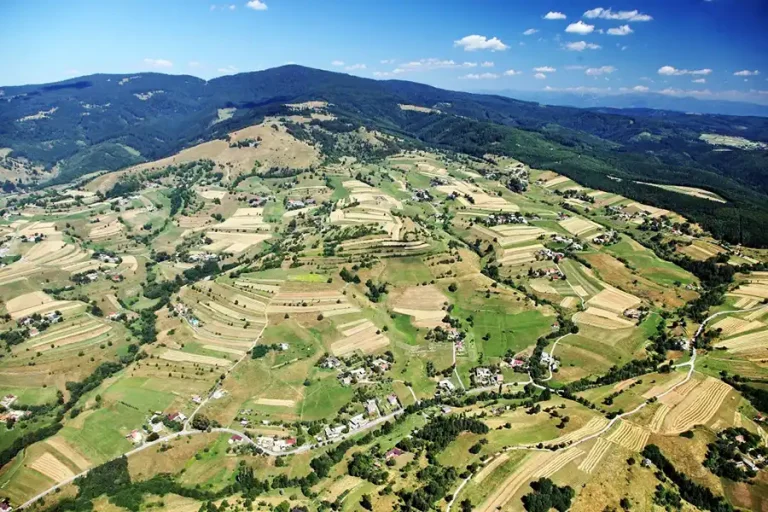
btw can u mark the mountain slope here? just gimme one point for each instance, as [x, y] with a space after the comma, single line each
[105, 122]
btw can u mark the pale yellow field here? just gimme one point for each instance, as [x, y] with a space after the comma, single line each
[555, 181]
[746, 342]
[26, 301]
[569, 302]
[59, 444]
[490, 467]
[522, 474]
[543, 286]
[520, 255]
[595, 455]
[602, 319]
[758, 290]
[51, 467]
[697, 407]
[275, 402]
[416, 108]
[578, 226]
[629, 436]
[592, 427]
[614, 300]
[732, 326]
[363, 337]
[183, 357]
[213, 194]
[423, 303]
[658, 418]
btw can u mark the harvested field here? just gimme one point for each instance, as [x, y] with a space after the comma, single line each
[423, 303]
[106, 229]
[130, 263]
[700, 250]
[592, 427]
[602, 319]
[511, 234]
[51, 467]
[490, 467]
[64, 448]
[327, 302]
[416, 108]
[26, 301]
[756, 313]
[677, 395]
[184, 357]
[225, 350]
[732, 326]
[480, 199]
[689, 191]
[697, 407]
[80, 334]
[569, 302]
[580, 291]
[614, 300]
[652, 211]
[522, 474]
[213, 194]
[274, 402]
[746, 342]
[658, 418]
[755, 290]
[543, 286]
[629, 436]
[595, 455]
[745, 303]
[658, 389]
[520, 255]
[365, 337]
[555, 181]
[557, 463]
[578, 226]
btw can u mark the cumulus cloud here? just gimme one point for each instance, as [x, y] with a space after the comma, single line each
[481, 76]
[512, 72]
[256, 5]
[700, 81]
[354, 67]
[580, 46]
[580, 28]
[554, 15]
[746, 72]
[623, 30]
[545, 69]
[540, 76]
[530, 32]
[640, 88]
[487, 64]
[228, 70]
[387, 61]
[337, 63]
[608, 14]
[476, 42]
[673, 71]
[602, 70]
[158, 63]
[431, 64]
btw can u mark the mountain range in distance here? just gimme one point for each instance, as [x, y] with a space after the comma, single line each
[633, 101]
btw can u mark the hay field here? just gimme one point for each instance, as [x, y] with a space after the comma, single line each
[595, 455]
[105, 229]
[512, 234]
[329, 302]
[490, 467]
[752, 290]
[578, 226]
[51, 467]
[651, 211]
[184, 357]
[244, 229]
[658, 418]
[423, 303]
[745, 303]
[275, 402]
[480, 199]
[697, 407]
[520, 255]
[555, 181]
[213, 194]
[746, 342]
[569, 302]
[37, 302]
[688, 191]
[629, 436]
[732, 326]
[701, 250]
[416, 108]
[362, 336]
[613, 300]
[602, 319]
[593, 426]
[60, 445]
[500, 496]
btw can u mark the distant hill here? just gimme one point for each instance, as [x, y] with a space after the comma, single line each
[649, 100]
[106, 122]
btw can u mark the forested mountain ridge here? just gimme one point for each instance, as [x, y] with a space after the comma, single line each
[110, 121]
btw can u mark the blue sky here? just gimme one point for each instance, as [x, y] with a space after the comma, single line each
[715, 49]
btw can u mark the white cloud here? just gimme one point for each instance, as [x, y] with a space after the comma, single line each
[530, 32]
[580, 28]
[354, 67]
[476, 42]
[673, 71]
[579, 89]
[608, 14]
[575, 67]
[623, 30]
[337, 63]
[640, 88]
[431, 64]
[580, 46]
[382, 73]
[540, 76]
[481, 76]
[700, 81]
[229, 70]
[545, 69]
[512, 72]
[387, 61]
[554, 15]
[256, 5]
[486, 64]
[671, 91]
[158, 63]
[232, 7]
[602, 70]
[746, 72]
